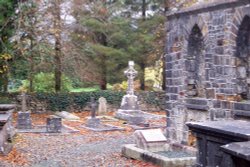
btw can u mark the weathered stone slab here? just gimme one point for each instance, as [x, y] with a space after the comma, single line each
[24, 120]
[103, 128]
[43, 129]
[67, 116]
[93, 122]
[102, 107]
[211, 135]
[54, 124]
[6, 107]
[238, 149]
[131, 151]
[151, 139]
[153, 135]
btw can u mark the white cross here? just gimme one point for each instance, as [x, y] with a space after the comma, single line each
[131, 73]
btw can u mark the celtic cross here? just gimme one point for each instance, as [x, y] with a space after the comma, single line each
[131, 73]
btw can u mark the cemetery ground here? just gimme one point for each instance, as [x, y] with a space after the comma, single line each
[85, 148]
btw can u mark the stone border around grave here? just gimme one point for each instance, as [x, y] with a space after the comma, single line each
[131, 151]
[152, 126]
[42, 129]
[105, 128]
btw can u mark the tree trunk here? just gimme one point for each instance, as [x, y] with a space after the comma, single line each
[31, 73]
[103, 83]
[142, 77]
[58, 66]
[143, 9]
[103, 80]
[5, 81]
[58, 46]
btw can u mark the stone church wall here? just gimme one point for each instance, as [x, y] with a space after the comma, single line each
[207, 64]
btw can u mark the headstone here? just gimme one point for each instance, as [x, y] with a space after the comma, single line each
[102, 107]
[129, 109]
[54, 124]
[93, 121]
[23, 118]
[152, 139]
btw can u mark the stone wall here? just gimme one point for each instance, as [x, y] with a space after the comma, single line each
[207, 64]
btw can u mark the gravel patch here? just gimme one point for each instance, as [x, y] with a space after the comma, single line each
[72, 150]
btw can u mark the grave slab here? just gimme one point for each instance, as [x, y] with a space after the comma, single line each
[67, 116]
[43, 129]
[103, 127]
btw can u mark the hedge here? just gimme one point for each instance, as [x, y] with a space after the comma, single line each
[62, 101]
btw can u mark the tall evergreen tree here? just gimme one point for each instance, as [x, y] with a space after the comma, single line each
[7, 8]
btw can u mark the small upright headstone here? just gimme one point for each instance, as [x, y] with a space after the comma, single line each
[54, 124]
[93, 121]
[24, 120]
[102, 107]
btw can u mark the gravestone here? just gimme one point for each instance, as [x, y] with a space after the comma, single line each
[102, 107]
[93, 121]
[129, 109]
[54, 124]
[151, 139]
[23, 118]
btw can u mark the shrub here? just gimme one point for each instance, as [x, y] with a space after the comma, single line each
[61, 101]
[45, 82]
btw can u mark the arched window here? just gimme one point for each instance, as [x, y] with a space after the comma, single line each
[195, 63]
[243, 59]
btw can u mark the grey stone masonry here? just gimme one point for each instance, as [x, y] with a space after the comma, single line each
[7, 131]
[207, 64]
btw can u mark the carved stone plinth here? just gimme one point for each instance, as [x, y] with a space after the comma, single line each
[93, 122]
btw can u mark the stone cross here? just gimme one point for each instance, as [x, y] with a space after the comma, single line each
[24, 107]
[93, 107]
[131, 73]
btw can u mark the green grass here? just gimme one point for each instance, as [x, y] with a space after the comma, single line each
[91, 89]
